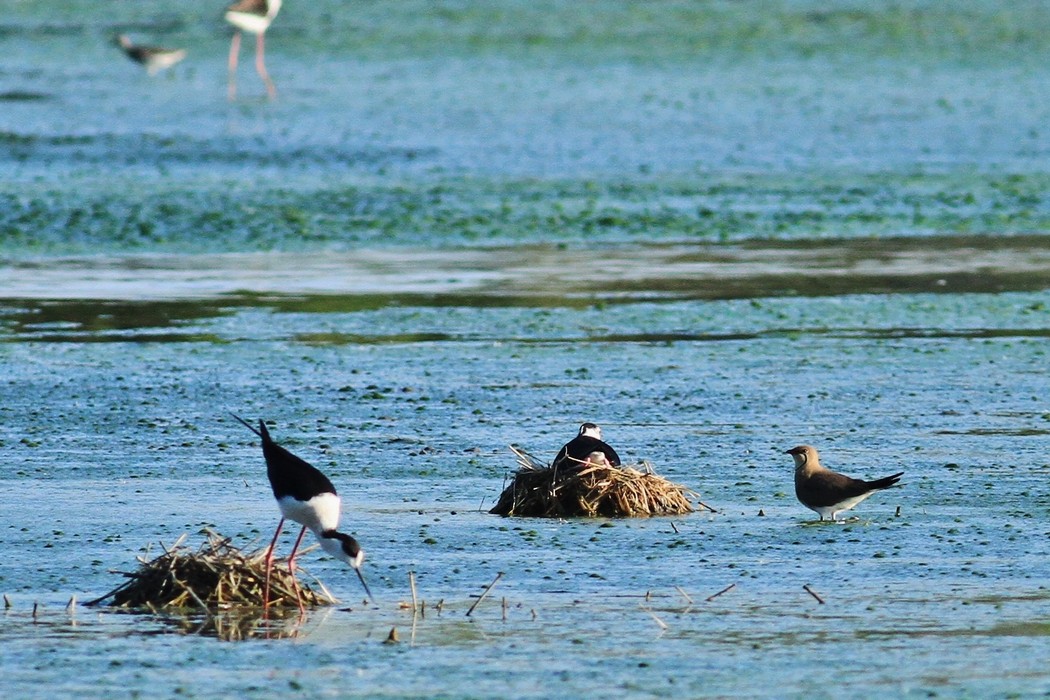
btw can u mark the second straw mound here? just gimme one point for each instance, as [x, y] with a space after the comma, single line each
[594, 490]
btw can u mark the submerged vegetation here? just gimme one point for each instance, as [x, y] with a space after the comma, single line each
[463, 211]
[671, 29]
[515, 122]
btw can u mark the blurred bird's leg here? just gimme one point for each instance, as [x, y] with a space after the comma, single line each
[235, 49]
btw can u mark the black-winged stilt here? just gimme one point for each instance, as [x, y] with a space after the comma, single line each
[826, 492]
[306, 496]
[578, 451]
[254, 17]
[154, 58]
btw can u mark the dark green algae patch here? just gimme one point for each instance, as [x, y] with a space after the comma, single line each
[629, 31]
[162, 214]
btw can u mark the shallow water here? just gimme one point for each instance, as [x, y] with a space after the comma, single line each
[127, 430]
[717, 239]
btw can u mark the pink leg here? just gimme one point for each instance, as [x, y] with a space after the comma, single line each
[291, 570]
[269, 565]
[260, 65]
[235, 49]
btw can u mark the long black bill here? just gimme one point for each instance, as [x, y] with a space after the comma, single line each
[360, 576]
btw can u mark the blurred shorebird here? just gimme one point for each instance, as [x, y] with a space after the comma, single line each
[585, 449]
[306, 496]
[154, 58]
[826, 492]
[254, 17]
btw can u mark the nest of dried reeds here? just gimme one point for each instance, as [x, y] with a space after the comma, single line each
[590, 490]
[217, 575]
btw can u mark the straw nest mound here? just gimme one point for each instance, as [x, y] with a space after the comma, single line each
[593, 490]
[216, 576]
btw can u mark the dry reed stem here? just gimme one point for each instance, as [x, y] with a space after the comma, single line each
[728, 588]
[484, 593]
[663, 625]
[412, 585]
[591, 491]
[813, 593]
[217, 575]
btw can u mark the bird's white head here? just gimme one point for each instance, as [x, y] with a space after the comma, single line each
[591, 430]
[343, 547]
[346, 549]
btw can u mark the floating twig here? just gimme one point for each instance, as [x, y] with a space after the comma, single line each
[810, 591]
[684, 594]
[484, 593]
[728, 588]
[663, 625]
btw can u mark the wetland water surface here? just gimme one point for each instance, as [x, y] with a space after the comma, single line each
[486, 243]
[116, 409]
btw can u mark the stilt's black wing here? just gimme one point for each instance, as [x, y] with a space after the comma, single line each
[580, 447]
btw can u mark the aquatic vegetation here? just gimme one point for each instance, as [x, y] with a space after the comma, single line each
[165, 218]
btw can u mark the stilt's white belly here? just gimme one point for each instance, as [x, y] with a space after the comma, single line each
[248, 22]
[320, 513]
